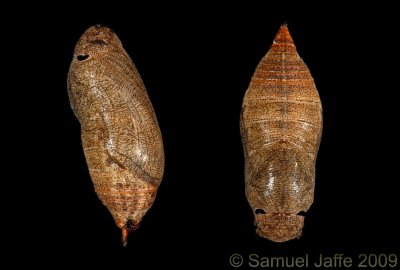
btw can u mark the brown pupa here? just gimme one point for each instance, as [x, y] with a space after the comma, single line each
[120, 135]
[281, 126]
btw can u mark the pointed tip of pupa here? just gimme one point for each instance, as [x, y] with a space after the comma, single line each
[283, 36]
[124, 239]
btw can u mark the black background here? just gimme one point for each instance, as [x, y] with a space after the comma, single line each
[196, 63]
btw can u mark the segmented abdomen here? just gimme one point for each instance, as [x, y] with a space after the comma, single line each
[282, 103]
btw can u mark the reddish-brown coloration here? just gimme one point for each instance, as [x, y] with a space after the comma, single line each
[281, 126]
[120, 134]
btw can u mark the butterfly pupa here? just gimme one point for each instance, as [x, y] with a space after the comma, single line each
[120, 135]
[281, 127]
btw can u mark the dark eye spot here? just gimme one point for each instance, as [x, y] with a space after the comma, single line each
[98, 42]
[82, 57]
[259, 211]
[301, 213]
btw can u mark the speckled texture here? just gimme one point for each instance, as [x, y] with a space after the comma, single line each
[120, 135]
[281, 126]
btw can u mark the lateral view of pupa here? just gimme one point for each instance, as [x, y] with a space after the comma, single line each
[120, 135]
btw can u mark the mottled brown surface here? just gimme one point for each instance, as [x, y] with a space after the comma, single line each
[281, 126]
[120, 135]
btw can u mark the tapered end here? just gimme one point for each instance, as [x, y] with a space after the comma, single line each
[125, 233]
[283, 36]
[126, 229]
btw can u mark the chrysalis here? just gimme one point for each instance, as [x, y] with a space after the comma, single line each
[121, 139]
[281, 126]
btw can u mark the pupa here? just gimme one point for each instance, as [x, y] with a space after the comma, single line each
[281, 127]
[120, 135]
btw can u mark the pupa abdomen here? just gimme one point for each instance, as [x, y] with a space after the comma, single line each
[121, 139]
[281, 126]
